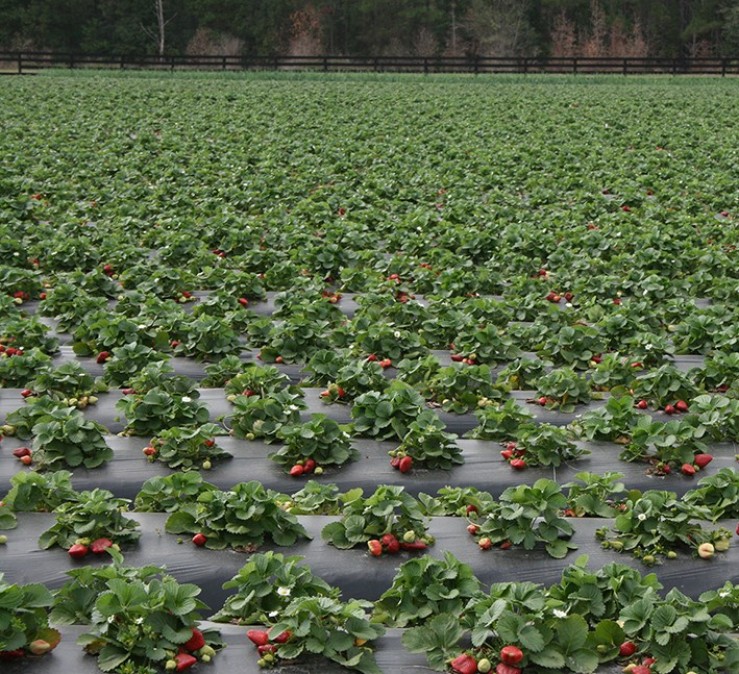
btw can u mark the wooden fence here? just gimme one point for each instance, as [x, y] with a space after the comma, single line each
[31, 62]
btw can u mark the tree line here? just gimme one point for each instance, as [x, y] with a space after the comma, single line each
[669, 28]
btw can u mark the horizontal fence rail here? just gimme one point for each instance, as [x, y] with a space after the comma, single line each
[30, 62]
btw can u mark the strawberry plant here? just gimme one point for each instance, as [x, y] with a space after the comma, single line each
[522, 373]
[354, 378]
[140, 625]
[158, 409]
[428, 445]
[718, 372]
[543, 445]
[24, 617]
[657, 524]
[294, 340]
[459, 389]
[489, 345]
[323, 367]
[206, 338]
[574, 345]
[75, 600]
[256, 380]
[499, 421]
[167, 494]
[664, 386]
[456, 502]
[69, 304]
[222, 371]
[18, 367]
[387, 341]
[257, 417]
[719, 493]
[315, 499]
[266, 585]
[390, 510]
[35, 492]
[562, 389]
[187, 447]
[94, 515]
[340, 632]
[62, 436]
[611, 370]
[103, 331]
[386, 415]
[424, 587]
[528, 515]
[594, 495]
[317, 443]
[663, 445]
[714, 417]
[68, 383]
[612, 422]
[127, 361]
[27, 333]
[242, 518]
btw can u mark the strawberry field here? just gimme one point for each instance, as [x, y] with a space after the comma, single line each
[366, 373]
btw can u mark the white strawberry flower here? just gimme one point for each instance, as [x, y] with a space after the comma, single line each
[186, 399]
[641, 517]
[396, 334]
[283, 591]
[557, 613]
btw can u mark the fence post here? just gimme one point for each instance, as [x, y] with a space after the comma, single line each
[71, 61]
[574, 66]
[626, 67]
[525, 65]
[477, 64]
[20, 63]
[723, 67]
[425, 66]
[325, 64]
[223, 63]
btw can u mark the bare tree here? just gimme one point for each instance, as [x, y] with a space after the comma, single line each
[160, 35]
[499, 27]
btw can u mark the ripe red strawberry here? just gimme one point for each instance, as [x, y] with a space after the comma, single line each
[669, 409]
[485, 543]
[78, 551]
[681, 406]
[405, 465]
[195, 642]
[518, 464]
[385, 363]
[471, 508]
[702, 460]
[503, 668]
[472, 529]
[243, 301]
[209, 442]
[507, 454]
[128, 391]
[375, 547]
[149, 450]
[297, 470]
[395, 462]
[42, 296]
[184, 661]
[464, 664]
[687, 469]
[258, 637]
[617, 300]
[648, 661]
[282, 637]
[279, 360]
[108, 269]
[413, 546]
[737, 529]
[17, 654]
[506, 545]
[543, 400]
[100, 545]
[627, 649]
[391, 544]
[340, 392]
[266, 648]
[21, 451]
[199, 539]
[511, 655]
[457, 357]
[640, 669]
[642, 404]
[102, 357]
[26, 460]
[309, 466]
[372, 358]
[26, 393]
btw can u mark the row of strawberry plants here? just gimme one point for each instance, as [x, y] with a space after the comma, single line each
[136, 618]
